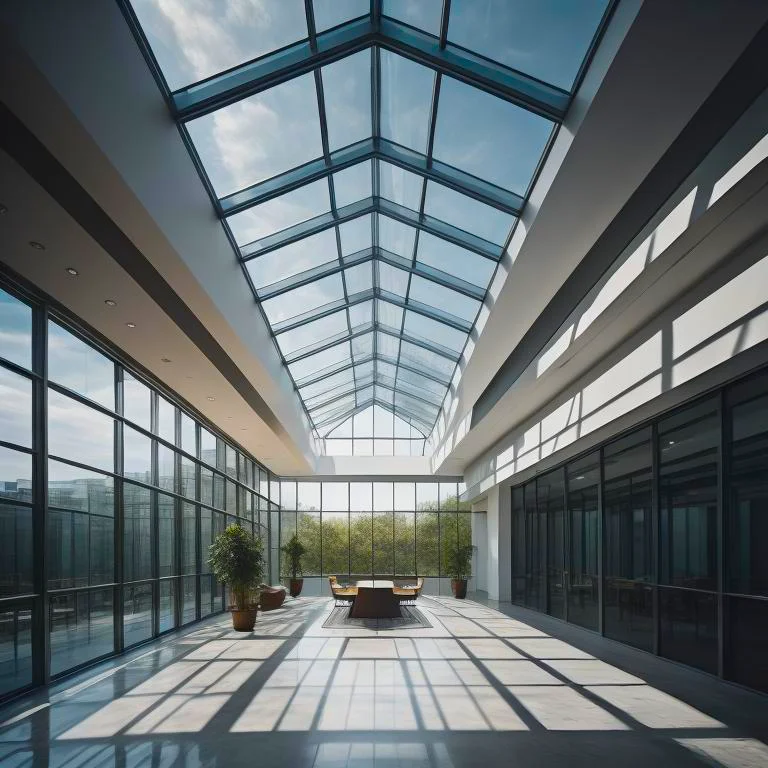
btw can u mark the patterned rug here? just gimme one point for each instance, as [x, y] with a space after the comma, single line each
[412, 618]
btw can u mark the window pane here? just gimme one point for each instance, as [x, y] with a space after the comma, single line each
[688, 457]
[136, 401]
[547, 39]
[81, 628]
[166, 468]
[309, 495]
[188, 538]
[167, 608]
[188, 434]
[335, 497]
[288, 494]
[360, 544]
[335, 543]
[308, 529]
[15, 408]
[206, 486]
[15, 330]
[405, 543]
[536, 547]
[137, 618]
[138, 537]
[260, 136]
[583, 519]
[426, 496]
[347, 91]
[79, 367]
[747, 497]
[383, 543]
[15, 644]
[189, 599]
[688, 627]
[405, 497]
[188, 478]
[427, 539]
[330, 13]
[519, 564]
[15, 475]
[507, 140]
[382, 497]
[166, 531]
[627, 500]
[207, 447]
[449, 499]
[746, 662]
[137, 455]
[80, 489]
[166, 420]
[16, 574]
[424, 15]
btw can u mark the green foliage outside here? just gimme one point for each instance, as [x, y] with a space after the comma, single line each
[236, 558]
[423, 543]
[294, 550]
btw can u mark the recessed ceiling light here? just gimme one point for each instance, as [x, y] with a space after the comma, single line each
[3, 209]
[230, 418]
[165, 359]
[211, 398]
[188, 377]
[131, 325]
[72, 271]
[243, 429]
[37, 246]
[110, 302]
[671, 442]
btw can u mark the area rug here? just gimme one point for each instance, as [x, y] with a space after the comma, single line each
[412, 618]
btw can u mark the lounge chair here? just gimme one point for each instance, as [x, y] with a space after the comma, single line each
[342, 595]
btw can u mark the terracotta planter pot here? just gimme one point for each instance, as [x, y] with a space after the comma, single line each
[459, 588]
[243, 621]
[296, 586]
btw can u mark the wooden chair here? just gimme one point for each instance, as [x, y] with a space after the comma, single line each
[342, 595]
[408, 595]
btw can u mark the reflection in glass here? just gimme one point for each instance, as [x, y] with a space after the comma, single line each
[15, 475]
[167, 605]
[138, 537]
[15, 643]
[137, 400]
[81, 628]
[688, 627]
[166, 532]
[746, 661]
[518, 546]
[137, 614]
[583, 521]
[550, 497]
[688, 457]
[137, 455]
[16, 326]
[15, 408]
[628, 549]
[79, 367]
[166, 420]
[16, 566]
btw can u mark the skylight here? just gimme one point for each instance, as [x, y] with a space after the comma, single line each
[370, 160]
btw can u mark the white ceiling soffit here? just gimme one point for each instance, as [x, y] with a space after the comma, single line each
[82, 87]
[638, 107]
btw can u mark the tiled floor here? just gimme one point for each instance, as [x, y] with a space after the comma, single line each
[480, 688]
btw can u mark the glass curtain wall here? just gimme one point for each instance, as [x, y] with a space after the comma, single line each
[664, 540]
[363, 530]
[110, 495]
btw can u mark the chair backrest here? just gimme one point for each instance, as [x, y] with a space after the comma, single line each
[419, 584]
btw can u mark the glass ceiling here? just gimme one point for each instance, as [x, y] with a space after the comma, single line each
[369, 159]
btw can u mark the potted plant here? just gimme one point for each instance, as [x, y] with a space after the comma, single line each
[460, 567]
[294, 550]
[237, 559]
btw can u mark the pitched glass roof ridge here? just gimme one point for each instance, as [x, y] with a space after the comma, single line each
[369, 162]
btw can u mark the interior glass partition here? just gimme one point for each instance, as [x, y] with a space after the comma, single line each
[665, 536]
[110, 495]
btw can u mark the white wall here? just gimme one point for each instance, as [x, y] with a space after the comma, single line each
[480, 556]
[499, 551]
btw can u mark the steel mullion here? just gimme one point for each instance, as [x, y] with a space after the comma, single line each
[258, 75]
[428, 273]
[360, 298]
[361, 151]
[444, 20]
[375, 171]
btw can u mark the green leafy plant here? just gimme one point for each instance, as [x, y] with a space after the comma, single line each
[459, 561]
[294, 550]
[236, 557]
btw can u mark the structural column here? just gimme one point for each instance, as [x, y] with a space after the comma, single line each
[499, 557]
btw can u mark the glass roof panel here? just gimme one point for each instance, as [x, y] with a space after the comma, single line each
[487, 137]
[434, 295]
[259, 137]
[448, 257]
[387, 345]
[422, 14]
[327, 360]
[312, 333]
[392, 279]
[467, 213]
[433, 331]
[389, 272]
[406, 95]
[293, 259]
[362, 313]
[192, 41]
[303, 299]
[347, 92]
[280, 213]
[389, 315]
[419, 357]
[547, 38]
[359, 278]
[362, 346]
[356, 235]
[331, 13]
[352, 184]
[400, 186]
[396, 237]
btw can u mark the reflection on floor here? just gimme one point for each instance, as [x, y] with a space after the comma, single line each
[478, 688]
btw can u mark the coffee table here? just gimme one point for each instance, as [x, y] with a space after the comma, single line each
[375, 600]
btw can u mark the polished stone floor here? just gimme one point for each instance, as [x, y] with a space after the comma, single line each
[484, 686]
